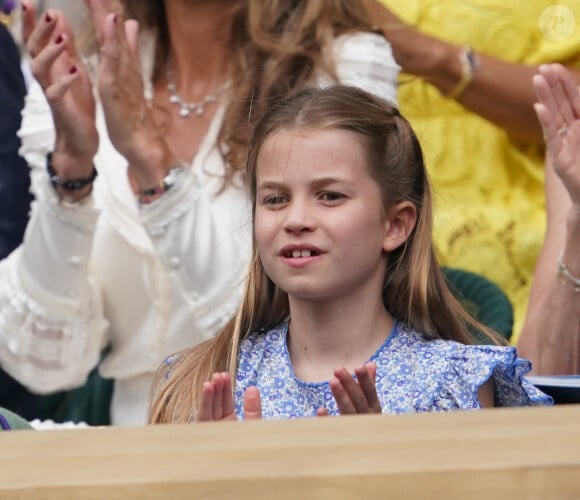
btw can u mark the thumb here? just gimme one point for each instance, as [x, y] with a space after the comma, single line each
[252, 404]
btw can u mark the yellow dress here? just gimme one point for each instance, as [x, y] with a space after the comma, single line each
[489, 192]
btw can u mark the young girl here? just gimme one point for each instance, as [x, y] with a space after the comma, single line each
[343, 275]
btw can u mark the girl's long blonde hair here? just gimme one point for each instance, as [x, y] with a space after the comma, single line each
[414, 291]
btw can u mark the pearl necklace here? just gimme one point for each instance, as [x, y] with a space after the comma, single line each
[185, 108]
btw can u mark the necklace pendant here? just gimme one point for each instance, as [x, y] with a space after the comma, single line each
[186, 108]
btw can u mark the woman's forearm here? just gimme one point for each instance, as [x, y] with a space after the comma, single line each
[499, 91]
[551, 333]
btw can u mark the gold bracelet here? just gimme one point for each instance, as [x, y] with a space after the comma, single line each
[567, 277]
[469, 64]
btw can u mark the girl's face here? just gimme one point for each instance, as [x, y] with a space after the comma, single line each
[320, 225]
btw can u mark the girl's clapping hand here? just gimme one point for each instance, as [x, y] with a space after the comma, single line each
[355, 396]
[217, 402]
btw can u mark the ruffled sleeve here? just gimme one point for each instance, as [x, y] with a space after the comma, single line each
[469, 367]
[51, 325]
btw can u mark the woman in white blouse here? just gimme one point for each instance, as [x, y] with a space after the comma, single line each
[148, 257]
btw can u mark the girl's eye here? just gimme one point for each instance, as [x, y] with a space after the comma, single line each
[331, 196]
[275, 199]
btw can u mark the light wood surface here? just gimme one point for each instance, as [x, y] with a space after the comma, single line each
[528, 453]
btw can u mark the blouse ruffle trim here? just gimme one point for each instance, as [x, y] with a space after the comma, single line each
[46, 348]
[475, 365]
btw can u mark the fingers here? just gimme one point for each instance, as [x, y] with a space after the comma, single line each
[227, 405]
[322, 412]
[38, 34]
[349, 398]
[252, 404]
[216, 402]
[205, 411]
[99, 10]
[119, 43]
[50, 43]
[28, 19]
[548, 112]
[558, 98]
[352, 396]
[41, 65]
[110, 48]
[56, 90]
[571, 89]
[366, 379]
[558, 106]
[132, 34]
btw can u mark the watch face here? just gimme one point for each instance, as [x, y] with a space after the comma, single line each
[472, 60]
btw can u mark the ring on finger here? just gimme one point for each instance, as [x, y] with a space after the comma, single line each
[563, 130]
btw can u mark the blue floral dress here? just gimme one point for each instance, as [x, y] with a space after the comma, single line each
[413, 375]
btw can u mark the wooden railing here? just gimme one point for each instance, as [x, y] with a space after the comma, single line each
[528, 453]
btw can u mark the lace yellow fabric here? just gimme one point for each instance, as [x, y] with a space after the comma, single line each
[489, 198]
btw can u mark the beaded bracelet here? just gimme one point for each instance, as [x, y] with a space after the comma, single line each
[75, 185]
[567, 277]
[147, 196]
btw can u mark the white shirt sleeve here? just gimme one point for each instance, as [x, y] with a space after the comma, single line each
[51, 324]
[365, 60]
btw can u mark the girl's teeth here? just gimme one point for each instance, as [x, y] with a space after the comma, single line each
[301, 253]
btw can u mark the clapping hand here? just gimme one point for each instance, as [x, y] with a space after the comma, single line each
[57, 67]
[355, 396]
[217, 402]
[121, 90]
[558, 110]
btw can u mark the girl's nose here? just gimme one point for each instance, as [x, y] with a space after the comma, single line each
[299, 217]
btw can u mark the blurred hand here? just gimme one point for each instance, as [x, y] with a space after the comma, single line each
[120, 86]
[57, 67]
[558, 109]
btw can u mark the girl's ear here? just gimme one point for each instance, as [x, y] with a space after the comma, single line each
[399, 223]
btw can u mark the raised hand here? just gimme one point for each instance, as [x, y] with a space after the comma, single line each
[120, 85]
[60, 72]
[217, 402]
[558, 110]
[355, 396]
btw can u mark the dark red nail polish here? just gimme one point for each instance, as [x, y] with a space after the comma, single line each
[59, 39]
[24, 7]
[115, 17]
[72, 70]
[47, 17]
